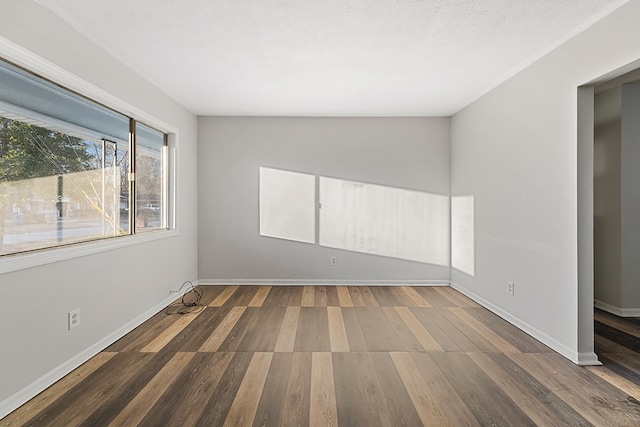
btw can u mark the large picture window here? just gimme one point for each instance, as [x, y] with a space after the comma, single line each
[72, 170]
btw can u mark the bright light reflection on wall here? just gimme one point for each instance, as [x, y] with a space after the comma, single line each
[386, 221]
[462, 234]
[287, 205]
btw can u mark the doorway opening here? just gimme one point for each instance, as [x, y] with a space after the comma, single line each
[608, 205]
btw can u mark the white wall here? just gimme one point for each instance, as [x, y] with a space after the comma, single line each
[515, 149]
[409, 153]
[111, 288]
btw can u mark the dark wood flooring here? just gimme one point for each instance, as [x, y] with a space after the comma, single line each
[348, 356]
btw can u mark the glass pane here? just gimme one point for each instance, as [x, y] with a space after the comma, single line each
[21, 89]
[56, 188]
[150, 179]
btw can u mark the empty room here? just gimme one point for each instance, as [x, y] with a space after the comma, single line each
[287, 213]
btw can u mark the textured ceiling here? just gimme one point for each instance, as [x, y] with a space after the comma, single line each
[328, 57]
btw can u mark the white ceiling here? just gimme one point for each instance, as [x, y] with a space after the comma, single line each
[328, 57]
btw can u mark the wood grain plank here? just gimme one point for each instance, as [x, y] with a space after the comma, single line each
[630, 361]
[482, 396]
[401, 408]
[598, 401]
[284, 296]
[262, 333]
[422, 335]
[514, 336]
[210, 292]
[472, 334]
[425, 395]
[52, 394]
[185, 400]
[138, 407]
[319, 296]
[297, 411]
[445, 333]
[618, 336]
[308, 297]
[170, 333]
[378, 333]
[632, 388]
[605, 345]
[435, 298]
[142, 334]
[458, 298]
[325, 296]
[405, 340]
[337, 333]
[243, 295]
[272, 400]
[79, 403]
[260, 296]
[223, 296]
[355, 336]
[537, 401]
[164, 321]
[418, 299]
[356, 381]
[249, 321]
[218, 336]
[195, 333]
[332, 296]
[113, 403]
[344, 298]
[494, 339]
[287, 335]
[244, 407]
[629, 325]
[362, 296]
[322, 404]
[385, 297]
[220, 400]
[313, 330]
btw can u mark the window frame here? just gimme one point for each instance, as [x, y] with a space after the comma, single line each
[42, 68]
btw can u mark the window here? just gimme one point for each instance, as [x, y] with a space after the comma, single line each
[72, 170]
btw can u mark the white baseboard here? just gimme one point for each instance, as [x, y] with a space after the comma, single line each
[325, 282]
[578, 358]
[29, 392]
[620, 312]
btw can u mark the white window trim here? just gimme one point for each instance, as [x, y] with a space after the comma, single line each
[38, 65]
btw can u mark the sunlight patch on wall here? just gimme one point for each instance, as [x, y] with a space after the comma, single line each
[388, 221]
[463, 234]
[287, 205]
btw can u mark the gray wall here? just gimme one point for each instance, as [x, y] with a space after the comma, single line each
[617, 199]
[411, 153]
[110, 288]
[606, 190]
[630, 195]
[515, 149]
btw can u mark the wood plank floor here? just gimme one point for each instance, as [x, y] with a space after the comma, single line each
[348, 356]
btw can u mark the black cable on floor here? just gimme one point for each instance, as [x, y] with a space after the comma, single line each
[190, 301]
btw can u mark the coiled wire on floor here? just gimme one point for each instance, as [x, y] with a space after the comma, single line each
[190, 301]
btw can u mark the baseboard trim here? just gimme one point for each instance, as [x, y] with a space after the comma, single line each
[321, 282]
[618, 311]
[29, 392]
[578, 358]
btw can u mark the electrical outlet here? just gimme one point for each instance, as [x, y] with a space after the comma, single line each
[334, 260]
[510, 288]
[74, 318]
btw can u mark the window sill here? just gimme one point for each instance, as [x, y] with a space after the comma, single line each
[23, 261]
